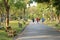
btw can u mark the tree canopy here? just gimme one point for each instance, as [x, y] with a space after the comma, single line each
[41, 1]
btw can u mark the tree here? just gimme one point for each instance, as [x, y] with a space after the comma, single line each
[7, 7]
[42, 1]
[21, 5]
[57, 5]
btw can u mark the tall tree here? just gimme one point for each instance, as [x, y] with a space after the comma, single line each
[7, 7]
[19, 4]
[56, 4]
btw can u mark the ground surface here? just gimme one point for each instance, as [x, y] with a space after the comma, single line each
[38, 31]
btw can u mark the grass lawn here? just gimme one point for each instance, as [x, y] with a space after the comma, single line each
[14, 25]
[57, 26]
[53, 24]
[3, 35]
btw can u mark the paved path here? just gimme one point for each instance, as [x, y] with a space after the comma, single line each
[38, 31]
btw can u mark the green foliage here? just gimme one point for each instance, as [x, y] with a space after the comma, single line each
[30, 1]
[41, 1]
[56, 3]
[18, 4]
[58, 12]
[15, 7]
[1, 6]
[11, 2]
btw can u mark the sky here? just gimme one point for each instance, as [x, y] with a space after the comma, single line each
[32, 4]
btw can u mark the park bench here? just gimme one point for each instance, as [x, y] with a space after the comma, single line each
[10, 32]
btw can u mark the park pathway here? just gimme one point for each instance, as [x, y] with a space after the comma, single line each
[38, 31]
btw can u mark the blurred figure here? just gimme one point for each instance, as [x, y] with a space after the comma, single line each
[43, 19]
[33, 19]
[37, 19]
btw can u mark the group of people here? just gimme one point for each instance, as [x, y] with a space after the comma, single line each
[37, 19]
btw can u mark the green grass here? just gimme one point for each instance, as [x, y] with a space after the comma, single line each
[14, 25]
[57, 26]
[53, 24]
[3, 35]
[50, 23]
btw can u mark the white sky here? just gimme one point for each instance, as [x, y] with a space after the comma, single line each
[32, 4]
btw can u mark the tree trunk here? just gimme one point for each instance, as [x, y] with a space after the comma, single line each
[24, 13]
[7, 17]
[0, 20]
[59, 18]
[7, 7]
